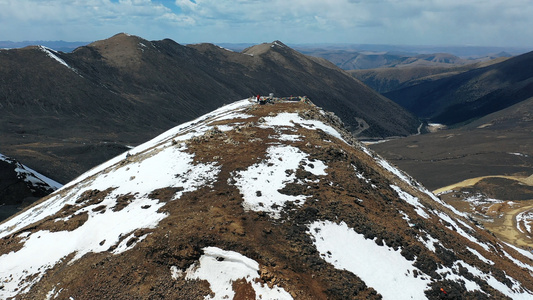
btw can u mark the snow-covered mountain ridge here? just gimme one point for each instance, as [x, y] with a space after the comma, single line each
[253, 201]
[20, 186]
[33, 179]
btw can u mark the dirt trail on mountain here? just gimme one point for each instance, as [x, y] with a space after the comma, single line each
[506, 227]
[473, 181]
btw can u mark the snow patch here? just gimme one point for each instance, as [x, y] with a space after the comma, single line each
[287, 137]
[128, 243]
[53, 294]
[518, 262]
[481, 257]
[261, 182]
[224, 48]
[524, 218]
[387, 166]
[406, 218]
[52, 53]
[452, 225]
[419, 208]
[286, 119]
[221, 268]
[518, 154]
[30, 176]
[515, 292]
[525, 253]
[176, 273]
[361, 176]
[429, 242]
[380, 267]
[453, 274]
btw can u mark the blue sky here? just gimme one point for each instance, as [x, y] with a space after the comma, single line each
[400, 22]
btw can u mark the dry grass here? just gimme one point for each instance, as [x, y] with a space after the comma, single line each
[214, 216]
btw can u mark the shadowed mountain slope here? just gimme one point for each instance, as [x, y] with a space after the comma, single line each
[20, 186]
[252, 201]
[62, 113]
[470, 95]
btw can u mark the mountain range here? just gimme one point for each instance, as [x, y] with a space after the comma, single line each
[250, 201]
[63, 113]
[362, 60]
[470, 95]
[388, 79]
[488, 111]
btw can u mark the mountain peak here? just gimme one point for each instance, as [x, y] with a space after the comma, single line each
[119, 38]
[265, 200]
[265, 47]
[278, 43]
[122, 50]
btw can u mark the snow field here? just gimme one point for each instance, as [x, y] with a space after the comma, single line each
[169, 167]
[41, 251]
[386, 270]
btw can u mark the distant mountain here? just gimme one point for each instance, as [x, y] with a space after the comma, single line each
[56, 45]
[21, 186]
[62, 113]
[252, 201]
[464, 52]
[470, 95]
[363, 60]
[385, 80]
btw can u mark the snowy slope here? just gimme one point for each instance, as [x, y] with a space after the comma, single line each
[151, 172]
[32, 178]
[250, 201]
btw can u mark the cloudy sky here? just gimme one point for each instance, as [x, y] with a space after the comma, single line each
[401, 22]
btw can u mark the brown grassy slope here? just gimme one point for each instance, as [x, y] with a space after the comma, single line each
[214, 216]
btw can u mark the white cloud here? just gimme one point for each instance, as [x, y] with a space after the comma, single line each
[379, 21]
[488, 22]
[83, 20]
